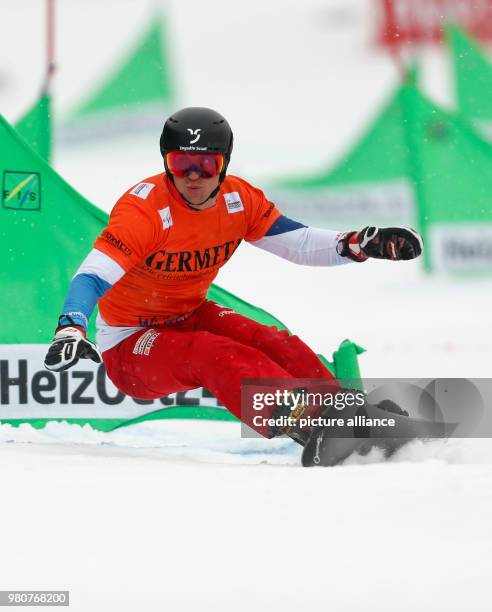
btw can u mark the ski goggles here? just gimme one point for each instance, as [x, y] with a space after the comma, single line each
[207, 165]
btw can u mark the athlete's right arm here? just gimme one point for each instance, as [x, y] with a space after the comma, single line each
[130, 234]
[97, 274]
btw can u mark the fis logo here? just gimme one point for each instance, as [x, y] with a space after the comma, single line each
[21, 190]
[195, 133]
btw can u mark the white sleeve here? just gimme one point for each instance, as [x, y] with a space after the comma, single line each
[101, 265]
[307, 246]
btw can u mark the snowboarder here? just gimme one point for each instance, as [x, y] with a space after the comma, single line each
[151, 267]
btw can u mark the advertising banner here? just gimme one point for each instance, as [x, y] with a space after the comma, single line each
[424, 21]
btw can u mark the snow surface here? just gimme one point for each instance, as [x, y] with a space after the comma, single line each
[187, 516]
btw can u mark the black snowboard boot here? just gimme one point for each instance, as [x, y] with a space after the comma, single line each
[329, 446]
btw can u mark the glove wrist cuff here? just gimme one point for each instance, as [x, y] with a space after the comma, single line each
[349, 246]
[70, 328]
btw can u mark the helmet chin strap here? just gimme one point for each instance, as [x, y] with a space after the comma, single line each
[192, 204]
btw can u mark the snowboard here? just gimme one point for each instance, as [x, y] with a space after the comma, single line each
[421, 413]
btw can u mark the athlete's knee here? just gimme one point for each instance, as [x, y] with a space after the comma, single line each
[278, 338]
[213, 353]
[212, 347]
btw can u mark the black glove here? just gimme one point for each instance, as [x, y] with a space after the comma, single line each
[68, 346]
[380, 243]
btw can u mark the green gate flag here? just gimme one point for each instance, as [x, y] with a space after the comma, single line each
[370, 184]
[143, 78]
[472, 76]
[451, 166]
[35, 127]
[46, 230]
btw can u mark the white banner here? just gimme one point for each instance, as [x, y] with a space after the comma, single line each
[349, 206]
[461, 247]
[29, 391]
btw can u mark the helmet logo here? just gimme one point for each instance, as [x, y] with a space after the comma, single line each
[195, 133]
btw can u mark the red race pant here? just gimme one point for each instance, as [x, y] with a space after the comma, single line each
[215, 348]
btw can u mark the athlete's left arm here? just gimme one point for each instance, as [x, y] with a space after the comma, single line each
[311, 246]
[268, 229]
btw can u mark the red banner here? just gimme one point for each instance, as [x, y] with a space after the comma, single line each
[417, 21]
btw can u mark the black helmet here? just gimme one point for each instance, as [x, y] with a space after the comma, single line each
[197, 129]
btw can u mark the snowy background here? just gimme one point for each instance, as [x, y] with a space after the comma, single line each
[187, 516]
